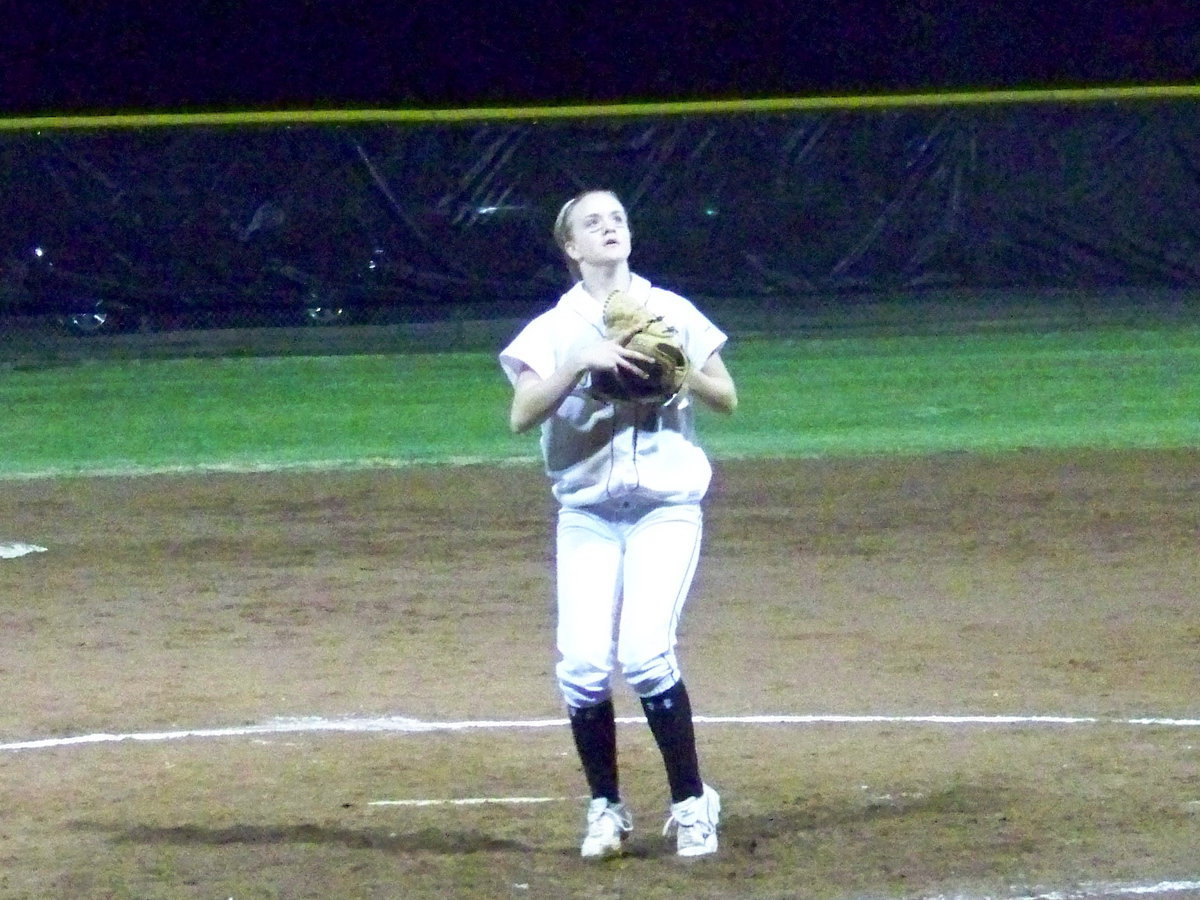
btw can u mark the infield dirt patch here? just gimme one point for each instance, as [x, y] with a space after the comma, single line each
[1024, 584]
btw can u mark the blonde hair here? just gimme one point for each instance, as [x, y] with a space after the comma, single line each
[562, 226]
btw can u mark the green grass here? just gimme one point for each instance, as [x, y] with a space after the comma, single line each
[1109, 388]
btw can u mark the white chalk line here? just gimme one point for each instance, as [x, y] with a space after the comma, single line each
[17, 549]
[401, 724]
[1089, 892]
[474, 801]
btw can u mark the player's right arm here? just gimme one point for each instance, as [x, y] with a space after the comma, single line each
[536, 398]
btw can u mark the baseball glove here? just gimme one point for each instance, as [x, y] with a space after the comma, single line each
[629, 322]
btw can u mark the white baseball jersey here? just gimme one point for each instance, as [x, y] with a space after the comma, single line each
[595, 451]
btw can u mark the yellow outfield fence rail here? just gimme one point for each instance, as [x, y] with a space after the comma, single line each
[601, 110]
[783, 209]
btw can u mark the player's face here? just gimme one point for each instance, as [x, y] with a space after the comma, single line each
[599, 231]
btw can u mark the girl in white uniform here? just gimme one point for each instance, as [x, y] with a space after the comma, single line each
[629, 479]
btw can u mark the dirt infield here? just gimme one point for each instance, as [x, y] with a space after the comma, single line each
[1023, 585]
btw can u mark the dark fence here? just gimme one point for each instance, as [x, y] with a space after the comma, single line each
[770, 213]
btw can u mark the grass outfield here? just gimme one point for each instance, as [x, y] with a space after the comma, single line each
[1103, 387]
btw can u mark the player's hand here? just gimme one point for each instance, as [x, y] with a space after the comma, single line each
[613, 356]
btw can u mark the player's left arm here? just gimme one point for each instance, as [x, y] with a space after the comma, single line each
[712, 384]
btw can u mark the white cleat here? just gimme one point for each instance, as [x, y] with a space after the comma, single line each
[696, 822]
[607, 826]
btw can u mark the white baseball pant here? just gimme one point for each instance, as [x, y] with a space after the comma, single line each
[624, 569]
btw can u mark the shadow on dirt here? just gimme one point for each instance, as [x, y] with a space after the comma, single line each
[427, 840]
[815, 816]
[827, 818]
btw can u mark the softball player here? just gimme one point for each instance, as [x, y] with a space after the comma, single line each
[629, 480]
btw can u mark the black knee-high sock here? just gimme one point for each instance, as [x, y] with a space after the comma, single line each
[595, 731]
[670, 718]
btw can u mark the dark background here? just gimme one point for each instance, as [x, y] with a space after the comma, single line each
[166, 226]
[70, 58]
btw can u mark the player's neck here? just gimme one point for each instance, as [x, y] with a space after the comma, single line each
[600, 281]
